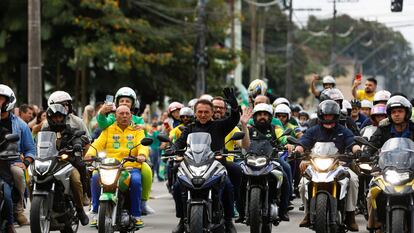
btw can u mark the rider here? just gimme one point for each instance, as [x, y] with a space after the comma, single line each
[174, 113]
[26, 147]
[263, 129]
[366, 107]
[262, 99]
[303, 120]
[283, 100]
[56, 116]
[329, 130]
[186, 117]
[327, 82]
[218, 130]
[256, 87]
[117, 140]
[399, 111]
[378, 113]
[356, 115]
[283, 113]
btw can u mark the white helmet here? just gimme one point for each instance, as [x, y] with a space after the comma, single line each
[7, 92]
[126, 92]
[382, 95]
[206, 97]
[366, 104]
[186, 111]
[281, 100]
[58, 97]
[328, 80]
[346, 107]
[284, 109]
[263, 108]
[257, 87]
[192, 102]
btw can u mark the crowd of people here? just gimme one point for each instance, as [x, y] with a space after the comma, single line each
[116, 127]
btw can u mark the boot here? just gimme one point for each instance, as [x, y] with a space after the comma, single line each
[22, 220]
[180, 227]
[10, 229]
[350, 221]
[305, 222]
[230, 227]
[83, 218]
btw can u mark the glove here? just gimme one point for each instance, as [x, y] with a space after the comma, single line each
[230, 97]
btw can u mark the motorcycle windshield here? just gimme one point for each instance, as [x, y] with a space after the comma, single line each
[46, 144]
[398, 153]
[198, 147]
[324, 150]
[261, 148]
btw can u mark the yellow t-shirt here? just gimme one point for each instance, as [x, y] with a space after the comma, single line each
[231, 145]
[175, 133]
[361, 95]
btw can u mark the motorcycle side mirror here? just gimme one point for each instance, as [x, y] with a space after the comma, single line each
[364, 141]
[163, 138]
[146, 141]
[79, 133]
[12, 137]
[236, 136]
[292, 140]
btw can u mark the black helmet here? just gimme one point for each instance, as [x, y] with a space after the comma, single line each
[356, 103]
[399, 102]
[56, 110]
[328, 107]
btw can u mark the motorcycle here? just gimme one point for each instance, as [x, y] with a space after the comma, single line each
[201, 177]
[114, 202]
[326, 183]
[392, 189]
[52, 207]
[10, 153]
[258, 168]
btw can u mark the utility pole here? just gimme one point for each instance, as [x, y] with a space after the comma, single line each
[201, 56]
[34, 81]
[253, 44]
[289, 54]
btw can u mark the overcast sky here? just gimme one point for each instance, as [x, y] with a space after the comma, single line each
[379, 10]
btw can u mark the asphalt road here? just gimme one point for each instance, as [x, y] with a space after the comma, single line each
[164, 218]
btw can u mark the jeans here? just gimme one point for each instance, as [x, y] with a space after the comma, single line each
[8, 202]
[227, 199]
[288, 172]
[155, 160]
[135, 192]
[235, 174]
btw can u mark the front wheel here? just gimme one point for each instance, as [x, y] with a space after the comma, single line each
[322, 215]
[39, 215]
[398, 221]
[197, 219]
[73, 225]
[255, 211]
[105, 217]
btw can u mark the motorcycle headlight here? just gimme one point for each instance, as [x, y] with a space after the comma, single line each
[395, 177]
[256, 161]
[42, 167]
[323, 164]
[108, 176]
[198, 171]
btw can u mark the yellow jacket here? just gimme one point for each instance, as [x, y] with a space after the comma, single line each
[117, 143]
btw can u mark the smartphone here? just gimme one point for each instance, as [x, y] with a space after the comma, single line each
[109, 99]
[358, 77]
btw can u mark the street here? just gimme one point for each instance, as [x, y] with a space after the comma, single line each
[164, 219]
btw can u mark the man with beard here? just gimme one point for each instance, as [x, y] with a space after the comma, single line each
[262, 129]
[329, 130]
[367, 93]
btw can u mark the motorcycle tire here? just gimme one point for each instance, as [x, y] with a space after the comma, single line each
[255, 211]
[74, 227]
[322, 215]
[39, 210]
[197, 219]
[398, 221]
[105, 217]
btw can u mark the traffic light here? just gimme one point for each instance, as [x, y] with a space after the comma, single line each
[396, 5]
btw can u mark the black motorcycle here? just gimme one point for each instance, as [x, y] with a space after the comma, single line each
[9, 154]
[52, 206]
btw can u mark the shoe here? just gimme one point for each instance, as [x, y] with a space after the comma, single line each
[305, 222]
[350, 221]
[290, 206]
[240, 219]
[230, 227]
[180, 227]
[94, 221]
[83, 218]
[284, 216]
[302, 208]
[22, 220]
[11, 229]
[85, 200]
[139, 223]
[146, 209]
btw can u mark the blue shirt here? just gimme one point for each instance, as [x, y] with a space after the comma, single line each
[361, 119]
[26, 144]
[341, 136]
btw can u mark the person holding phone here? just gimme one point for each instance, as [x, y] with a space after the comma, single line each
[368, 92]
[327, 82]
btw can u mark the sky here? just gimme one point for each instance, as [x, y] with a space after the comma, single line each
[374, 10]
